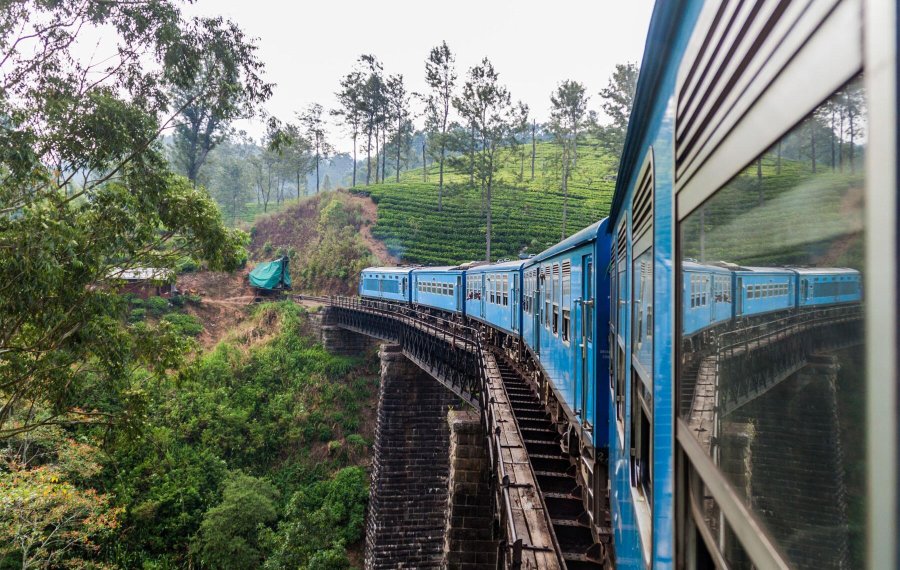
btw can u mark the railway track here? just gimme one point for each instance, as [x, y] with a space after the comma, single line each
[555, 473]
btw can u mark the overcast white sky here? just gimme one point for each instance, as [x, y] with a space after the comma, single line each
[308, 46]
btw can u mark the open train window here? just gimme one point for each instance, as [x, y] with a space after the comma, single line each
[565, 325]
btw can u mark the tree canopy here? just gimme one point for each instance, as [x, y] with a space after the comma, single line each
[86, 193]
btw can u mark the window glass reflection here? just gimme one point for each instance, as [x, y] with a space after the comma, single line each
[771, 377]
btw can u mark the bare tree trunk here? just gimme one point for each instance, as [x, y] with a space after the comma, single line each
[489, 185]
[317, 170]
[384, 151]
[369, 158]
[354, 157]
[812, 144]
[778, 160]
[841, 142]
[759, 184]
[377, 151]
[399, 126]
[533, 147]
[703, 237]
[852, 143]
[832, 140]
[441, 178]
[424, 164]
[472, 159]
[298, 184]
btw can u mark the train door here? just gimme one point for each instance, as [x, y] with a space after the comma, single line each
[536, 314]
[459, 295]
[481, 305]
[514, 302]
[586, 344]
[739, 297]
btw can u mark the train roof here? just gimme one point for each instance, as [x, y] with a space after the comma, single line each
[750, 269]
[823, 270]
[586, 235]
[695, 266]
[504, 266]
[436, 269]
[666, 39]
[406, 269]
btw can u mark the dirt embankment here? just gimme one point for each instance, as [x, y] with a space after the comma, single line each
[370, 214]
[224, 301]
[297, 227]
[225, 297]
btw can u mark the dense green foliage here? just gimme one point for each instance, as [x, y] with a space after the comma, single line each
[527, 214]
[245, 457]
[87, 194]
[245, 410]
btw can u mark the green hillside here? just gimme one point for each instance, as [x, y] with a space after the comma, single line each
[527, 214]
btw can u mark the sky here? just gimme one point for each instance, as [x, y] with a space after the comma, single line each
[308, 46]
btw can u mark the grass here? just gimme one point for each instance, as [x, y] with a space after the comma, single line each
[805, 218]
[526, 214]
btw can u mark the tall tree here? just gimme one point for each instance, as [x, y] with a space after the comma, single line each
[398, 111]
[440, 75]
[371, 107]
[618, 98]
[568, 111]
[231, 184]
[87, 194]
[351, 109]
[314, 125]
[297, 153]
[489, 105]
[225, 87]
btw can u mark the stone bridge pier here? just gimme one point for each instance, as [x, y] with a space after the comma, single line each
[430, 499]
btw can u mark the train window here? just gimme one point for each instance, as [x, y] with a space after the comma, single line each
[556, 295]
[641, 438]
[589, 297]
[565, 325]
[641, 331]
[505, 290]
[781, 416]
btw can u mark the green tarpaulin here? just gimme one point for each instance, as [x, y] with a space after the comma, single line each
[271, 275]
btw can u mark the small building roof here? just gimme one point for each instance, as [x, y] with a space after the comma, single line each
[141, 274]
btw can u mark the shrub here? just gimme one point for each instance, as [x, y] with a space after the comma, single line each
[137, 315]
[187, 325]
[157, 306]
[229, 535]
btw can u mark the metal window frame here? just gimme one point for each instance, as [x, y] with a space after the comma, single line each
[881, 216]
[761, 549]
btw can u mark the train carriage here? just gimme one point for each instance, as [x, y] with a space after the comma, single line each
[493, 295]
[388, 283]
[762, 290]
[827, 286]
[566, 302]
[707, 295]
[439, 288]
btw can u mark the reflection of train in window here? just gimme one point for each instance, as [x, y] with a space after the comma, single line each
[707, 290]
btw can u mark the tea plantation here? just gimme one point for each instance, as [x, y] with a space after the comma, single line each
[527, 214]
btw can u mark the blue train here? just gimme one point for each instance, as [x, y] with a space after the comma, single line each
[740, 148]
